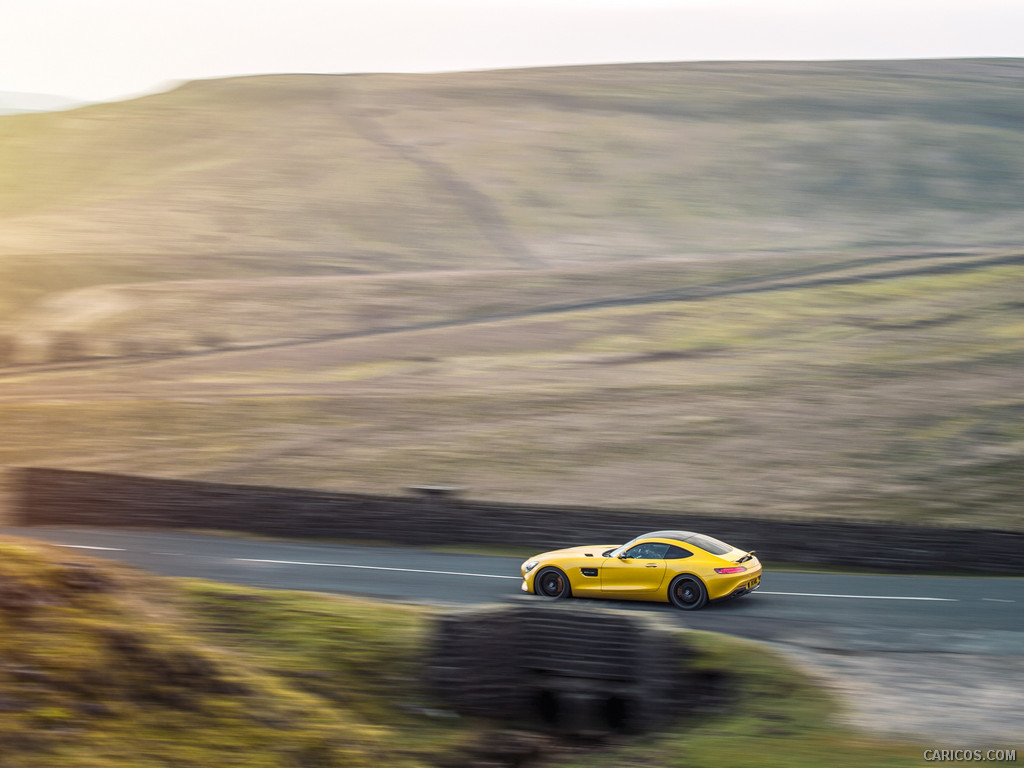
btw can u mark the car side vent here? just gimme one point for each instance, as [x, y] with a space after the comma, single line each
[589, 571]
[587, 554]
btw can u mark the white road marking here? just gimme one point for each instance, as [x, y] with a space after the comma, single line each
[860, 597]
[997, 600]
[83, 546]
[169, 554]
[378, 568]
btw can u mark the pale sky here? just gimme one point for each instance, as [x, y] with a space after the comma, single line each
[109, 49]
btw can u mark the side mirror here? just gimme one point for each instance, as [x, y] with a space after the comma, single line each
[622, 556]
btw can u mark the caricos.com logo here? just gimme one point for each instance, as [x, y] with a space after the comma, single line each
[963, 755]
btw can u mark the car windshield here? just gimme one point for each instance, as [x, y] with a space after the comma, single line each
[619, 550]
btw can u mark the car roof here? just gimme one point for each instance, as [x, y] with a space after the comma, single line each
[676, 535]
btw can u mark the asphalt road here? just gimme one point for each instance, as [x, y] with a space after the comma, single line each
[844, 612]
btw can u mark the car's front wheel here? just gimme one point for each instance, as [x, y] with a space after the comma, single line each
[687, 593]
[551, 582]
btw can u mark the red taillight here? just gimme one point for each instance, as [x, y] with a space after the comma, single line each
[731, 569]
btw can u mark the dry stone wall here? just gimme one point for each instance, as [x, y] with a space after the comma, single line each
[574, 669]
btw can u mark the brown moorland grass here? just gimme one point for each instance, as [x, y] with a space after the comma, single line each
[748, 263]
[893, 399]
[197, 315]
[307, 174]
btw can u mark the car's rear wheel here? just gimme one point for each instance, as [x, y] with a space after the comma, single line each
[551, 582]
[687, 593]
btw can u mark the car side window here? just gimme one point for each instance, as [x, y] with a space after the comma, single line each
[677, 553]
[649, 550]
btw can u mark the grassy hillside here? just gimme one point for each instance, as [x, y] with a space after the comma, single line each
[303, 174]
[747, 288]
[105, 667]
[189, 316]
[883, 391]
[101, 666]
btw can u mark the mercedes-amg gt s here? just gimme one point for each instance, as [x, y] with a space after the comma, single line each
[684, 568]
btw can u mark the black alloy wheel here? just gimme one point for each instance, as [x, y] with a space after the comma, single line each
[687, 593]
[551, 582]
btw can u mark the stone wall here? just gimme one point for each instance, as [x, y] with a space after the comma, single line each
[433, 517]
[577, 669]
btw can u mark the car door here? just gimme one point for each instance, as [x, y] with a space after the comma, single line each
[639, 572]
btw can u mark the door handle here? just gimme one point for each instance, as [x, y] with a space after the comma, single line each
[652, 565]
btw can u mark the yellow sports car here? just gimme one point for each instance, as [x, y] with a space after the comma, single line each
[684, 568]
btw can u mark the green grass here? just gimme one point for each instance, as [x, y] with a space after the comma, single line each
[102, 666]
[135, 671]
[776, 717]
